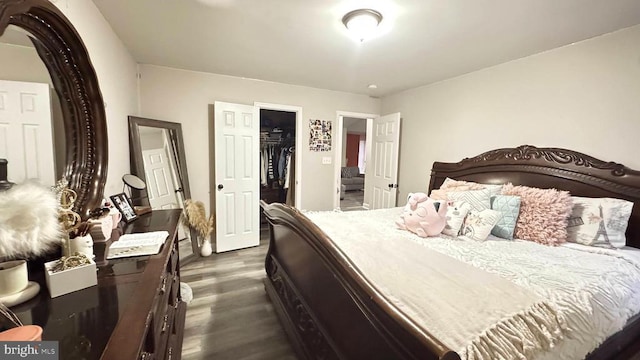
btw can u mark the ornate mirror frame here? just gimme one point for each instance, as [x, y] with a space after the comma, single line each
[61, 49]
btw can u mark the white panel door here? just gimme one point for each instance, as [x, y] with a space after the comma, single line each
[161, 188]
[237, 193]
[382, 169]
[26, 138]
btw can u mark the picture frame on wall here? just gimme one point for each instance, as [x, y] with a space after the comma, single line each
[124, 205]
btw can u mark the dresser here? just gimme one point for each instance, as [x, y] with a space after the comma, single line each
[135, 311]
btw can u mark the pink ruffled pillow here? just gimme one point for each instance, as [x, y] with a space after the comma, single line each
[450, 185]
[543, 214]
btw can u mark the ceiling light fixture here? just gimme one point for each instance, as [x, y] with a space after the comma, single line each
[362, 22]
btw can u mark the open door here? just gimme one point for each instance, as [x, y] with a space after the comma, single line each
[382, 170]
[237, 178]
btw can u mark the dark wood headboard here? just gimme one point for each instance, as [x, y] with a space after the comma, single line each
[562, 169]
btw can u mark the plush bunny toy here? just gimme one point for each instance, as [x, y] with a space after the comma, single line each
[422, 217]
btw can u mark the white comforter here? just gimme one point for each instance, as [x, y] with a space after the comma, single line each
[593, 292]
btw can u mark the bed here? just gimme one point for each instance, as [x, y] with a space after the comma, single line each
[330, 309]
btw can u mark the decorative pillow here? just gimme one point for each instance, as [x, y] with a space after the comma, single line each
[450, 185]
[478, 199]
[478, 224]
[493, 189]
[543, 214]
[599, 221]
[509, 207]
[456, 212]
[345, 172]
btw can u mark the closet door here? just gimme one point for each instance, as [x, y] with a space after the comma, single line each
[237, 177]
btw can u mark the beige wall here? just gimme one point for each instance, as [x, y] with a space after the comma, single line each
[585, 97]
[185, 96]
[116, 71]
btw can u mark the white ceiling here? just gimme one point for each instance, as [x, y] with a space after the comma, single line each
[303, 42]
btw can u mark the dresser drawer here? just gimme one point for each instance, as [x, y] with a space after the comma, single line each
[174, 349]
[172, 264]
[163, 313]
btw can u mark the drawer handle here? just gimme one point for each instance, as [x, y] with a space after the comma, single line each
[164, 285]
[164, 323]
[145, 355]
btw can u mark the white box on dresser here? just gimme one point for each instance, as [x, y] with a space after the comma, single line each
[70, 280]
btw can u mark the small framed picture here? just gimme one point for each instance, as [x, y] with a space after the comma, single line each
[123, 204]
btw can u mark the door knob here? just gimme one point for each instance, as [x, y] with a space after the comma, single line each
[179, 190]
[220, 186]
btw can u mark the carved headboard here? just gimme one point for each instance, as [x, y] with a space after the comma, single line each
[562, 169]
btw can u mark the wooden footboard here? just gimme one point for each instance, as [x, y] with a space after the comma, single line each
[327, 308]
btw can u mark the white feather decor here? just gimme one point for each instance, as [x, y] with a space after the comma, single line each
[28, 221]
[196, 218]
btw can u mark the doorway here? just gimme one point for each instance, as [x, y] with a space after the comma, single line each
[381, 152]
[296, 111]
[238, 172]
[277, 156]
[348, 197]
[353, 164]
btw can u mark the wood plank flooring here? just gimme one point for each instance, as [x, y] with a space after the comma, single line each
[231, 316]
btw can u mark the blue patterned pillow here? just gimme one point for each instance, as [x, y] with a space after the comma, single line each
[509, 207]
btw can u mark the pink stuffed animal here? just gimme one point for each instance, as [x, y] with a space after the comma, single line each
[421, 217]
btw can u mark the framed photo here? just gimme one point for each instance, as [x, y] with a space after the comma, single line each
[123, 204]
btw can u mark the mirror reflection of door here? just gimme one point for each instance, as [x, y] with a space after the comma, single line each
[156, 148]
[31, 120]
[160, 169]
[161, 172]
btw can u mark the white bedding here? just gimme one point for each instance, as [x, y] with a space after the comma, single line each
[594, 291]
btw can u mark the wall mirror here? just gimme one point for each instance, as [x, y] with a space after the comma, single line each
[158, 158]
[79, 132]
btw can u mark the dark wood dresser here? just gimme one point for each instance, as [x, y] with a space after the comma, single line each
[135, 311]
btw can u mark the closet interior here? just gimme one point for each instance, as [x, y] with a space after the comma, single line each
[277, 156]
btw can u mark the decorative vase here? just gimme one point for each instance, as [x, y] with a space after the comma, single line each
[81, 244]
[206, 250]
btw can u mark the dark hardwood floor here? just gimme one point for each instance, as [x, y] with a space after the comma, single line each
[231, 316]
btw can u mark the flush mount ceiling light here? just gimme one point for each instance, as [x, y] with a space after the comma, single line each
[362, 22]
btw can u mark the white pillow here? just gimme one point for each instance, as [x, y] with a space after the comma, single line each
[478, 224]
[599, 222]
[456, 212]
[478, 199]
